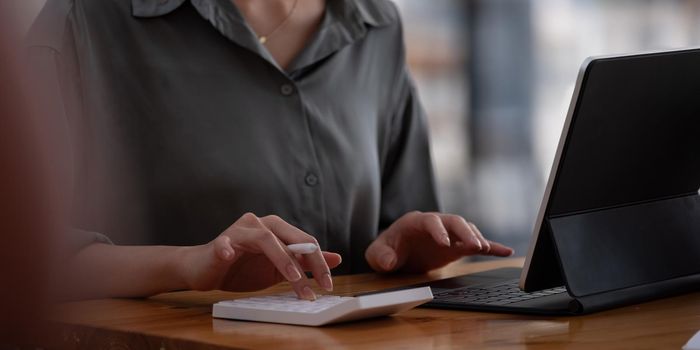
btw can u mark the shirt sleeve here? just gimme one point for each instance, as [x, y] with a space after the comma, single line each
[407, 177]
[53, 81]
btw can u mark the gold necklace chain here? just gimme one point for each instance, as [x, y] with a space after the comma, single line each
[263, 38]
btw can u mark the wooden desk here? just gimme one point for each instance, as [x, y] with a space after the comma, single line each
[183, 321]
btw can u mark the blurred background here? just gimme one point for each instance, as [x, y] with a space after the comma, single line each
[496, 77]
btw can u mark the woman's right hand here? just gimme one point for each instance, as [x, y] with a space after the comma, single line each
[252, 254]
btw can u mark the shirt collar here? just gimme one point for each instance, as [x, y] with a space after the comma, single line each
[345, 22]
[154, 8]
[376, 13]
[371, 12]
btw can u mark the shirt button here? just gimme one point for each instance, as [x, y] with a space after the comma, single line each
[287, 89]
[311, 180]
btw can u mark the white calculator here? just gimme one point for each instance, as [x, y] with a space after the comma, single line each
[326, 309]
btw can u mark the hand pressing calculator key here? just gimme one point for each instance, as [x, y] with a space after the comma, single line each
[327, 309]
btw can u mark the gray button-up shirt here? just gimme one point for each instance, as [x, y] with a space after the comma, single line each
[180, 121]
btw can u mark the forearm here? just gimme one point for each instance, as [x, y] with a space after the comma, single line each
[103, 270]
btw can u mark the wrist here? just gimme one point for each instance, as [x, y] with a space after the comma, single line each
[178, 266]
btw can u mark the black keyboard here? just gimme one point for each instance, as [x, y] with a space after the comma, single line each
[500, 294]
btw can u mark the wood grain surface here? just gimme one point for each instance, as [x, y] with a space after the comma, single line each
[182, 320]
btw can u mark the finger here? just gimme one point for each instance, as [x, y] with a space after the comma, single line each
[492, 248]
[498, 249]
[486, 246]
[291, 265]
[432, 224]
[459, 227]
[308, 263]
[276, 252]
[266, 242]
[332, 260]
[381, 257]
[290, 234]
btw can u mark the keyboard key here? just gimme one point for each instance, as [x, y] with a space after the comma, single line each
[502, 294]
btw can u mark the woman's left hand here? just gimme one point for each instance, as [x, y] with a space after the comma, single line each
[420, 242]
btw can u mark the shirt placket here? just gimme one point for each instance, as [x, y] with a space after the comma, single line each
[334, 33]
[307, 174]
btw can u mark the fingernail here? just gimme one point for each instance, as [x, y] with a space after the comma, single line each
[446, 239]
[293, 273]
[327, 282]
[308, 293]
[388, 261]
[478, 243]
